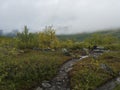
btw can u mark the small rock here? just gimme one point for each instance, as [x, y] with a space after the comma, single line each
[119, 73]
[21, 51]
[68, 69]
[66, 77]
[68, 88]
[58, 83]
[103, 66]
[52, 50]
[63, 80]
[58, 87]
[39, 88]
[46, 84]
[71, 64]
[53, 88]
[118, 80]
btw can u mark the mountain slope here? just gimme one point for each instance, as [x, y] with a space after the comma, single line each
[82, 36]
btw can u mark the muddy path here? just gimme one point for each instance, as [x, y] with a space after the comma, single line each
[61, 81]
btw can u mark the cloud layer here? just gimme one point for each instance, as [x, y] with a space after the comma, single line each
[67, 16]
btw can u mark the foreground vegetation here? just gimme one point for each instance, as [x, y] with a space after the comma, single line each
[27, 70]
[90, 73]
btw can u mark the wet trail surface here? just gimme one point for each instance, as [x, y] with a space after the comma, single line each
[61, 81]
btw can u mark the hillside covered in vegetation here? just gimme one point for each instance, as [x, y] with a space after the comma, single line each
[29, 59]
[82, 36]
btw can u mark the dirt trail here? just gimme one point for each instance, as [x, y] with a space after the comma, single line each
[61, 81]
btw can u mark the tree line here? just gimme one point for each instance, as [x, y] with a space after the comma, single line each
[48, 39]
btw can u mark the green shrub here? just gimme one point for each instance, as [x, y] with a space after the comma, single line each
[113, 46]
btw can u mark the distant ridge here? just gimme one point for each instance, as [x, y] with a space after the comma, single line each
[82, 36]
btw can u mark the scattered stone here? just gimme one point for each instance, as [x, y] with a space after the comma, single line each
[107, 86]
[37, 49]
[59, 87]
[103, 66]
[68, 69]
[58, 83]
[61, 81]
[46, 84]
[64, 50]
[119, 73]
[39, 88]
[110, 85]
[21, 51]
[53, 50]
[107, 69]
[118, 80]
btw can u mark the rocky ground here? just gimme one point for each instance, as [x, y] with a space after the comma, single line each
[110, 85]
[61, 81]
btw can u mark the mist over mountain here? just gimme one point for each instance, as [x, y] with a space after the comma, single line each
[67, 16]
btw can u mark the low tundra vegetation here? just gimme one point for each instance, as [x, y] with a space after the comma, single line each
[27, 70]
[90, 73]
[30, 58]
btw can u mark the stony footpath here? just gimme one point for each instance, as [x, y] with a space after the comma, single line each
[61, 81]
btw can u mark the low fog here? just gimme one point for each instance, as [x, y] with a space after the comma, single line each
[66, 16]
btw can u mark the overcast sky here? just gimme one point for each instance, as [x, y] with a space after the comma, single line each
[67, 16]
